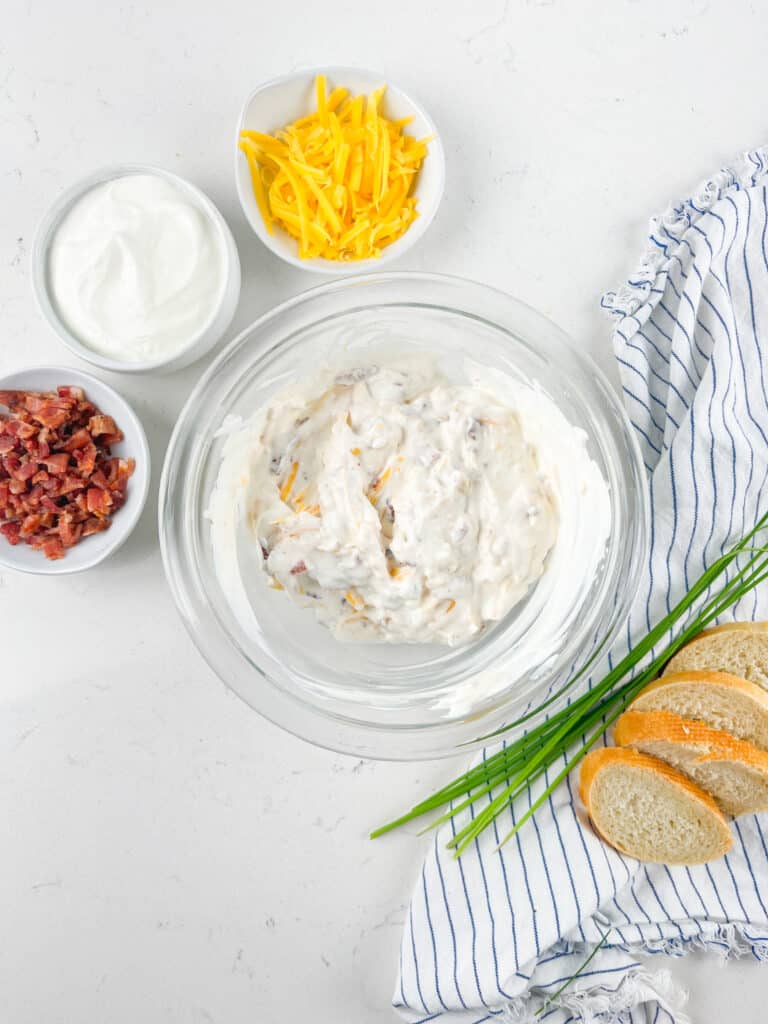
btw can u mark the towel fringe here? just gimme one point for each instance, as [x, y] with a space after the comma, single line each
[604, 1005]
[590, 1005]
[666, 231]
[727, 942]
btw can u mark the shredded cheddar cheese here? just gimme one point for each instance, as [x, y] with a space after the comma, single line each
[285, 490]
[338, 180]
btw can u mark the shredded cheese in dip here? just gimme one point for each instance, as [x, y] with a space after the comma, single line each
[399, 505]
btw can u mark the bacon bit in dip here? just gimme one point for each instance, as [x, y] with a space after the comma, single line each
[59, 482]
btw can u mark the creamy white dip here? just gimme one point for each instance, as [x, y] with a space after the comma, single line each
[398, 504]
[137, 268]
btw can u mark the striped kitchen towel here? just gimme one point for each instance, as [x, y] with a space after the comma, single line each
[494, 935]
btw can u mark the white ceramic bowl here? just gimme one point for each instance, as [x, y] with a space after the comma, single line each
[94, 549]
[280, 101]
[198, 344]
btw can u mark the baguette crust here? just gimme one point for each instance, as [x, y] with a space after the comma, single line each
[727, 627]
[720, 700]
[733, 771]
[675, 791]
[598, 759]
[639, 726]
[696, 675]
[724, 647]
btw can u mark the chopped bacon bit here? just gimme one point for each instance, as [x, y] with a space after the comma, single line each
[80, 439]
[86, 459]
[53, 413]
[111, 470]
[94, 525]
[32, 402]
[298, 568]
[70, 391]
[99, 501]
[18, 428]
[125, 469]
[30, 524]
[14, 400]
[25, 471]
[57, 463]
[59, 481]
[98, 425]
[52, 548]
[110, 439]
[69, 531]
[71, 483]
[11, 532]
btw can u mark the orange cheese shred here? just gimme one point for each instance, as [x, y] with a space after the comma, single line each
[338, 180]
[287, 487]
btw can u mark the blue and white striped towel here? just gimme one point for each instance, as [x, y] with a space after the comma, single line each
[492, 935]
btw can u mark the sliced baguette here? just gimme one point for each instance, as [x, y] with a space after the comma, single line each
[717, 699]
[733, 772]
[737, 647]
[649, 811]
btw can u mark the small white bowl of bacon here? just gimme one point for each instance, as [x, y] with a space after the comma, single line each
[74, 470]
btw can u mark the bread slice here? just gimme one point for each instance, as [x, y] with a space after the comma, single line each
[737, 647]
[717, 699]
[648, 810]
[733, 772]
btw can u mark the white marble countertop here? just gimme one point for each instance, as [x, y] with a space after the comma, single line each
[167, 855]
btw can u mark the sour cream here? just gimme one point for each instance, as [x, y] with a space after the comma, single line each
[402, 506]
[137, 268]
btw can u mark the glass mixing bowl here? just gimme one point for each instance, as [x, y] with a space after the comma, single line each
[381, 700]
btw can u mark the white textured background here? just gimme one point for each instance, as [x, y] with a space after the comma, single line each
[167, 857]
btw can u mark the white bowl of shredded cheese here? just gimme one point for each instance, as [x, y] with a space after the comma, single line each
[279, 102]
[398, 509]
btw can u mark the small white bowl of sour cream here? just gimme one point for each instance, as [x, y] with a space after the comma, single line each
[279, 102]
[136, 270]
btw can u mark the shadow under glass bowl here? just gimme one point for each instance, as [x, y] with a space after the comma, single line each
[386, 701]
